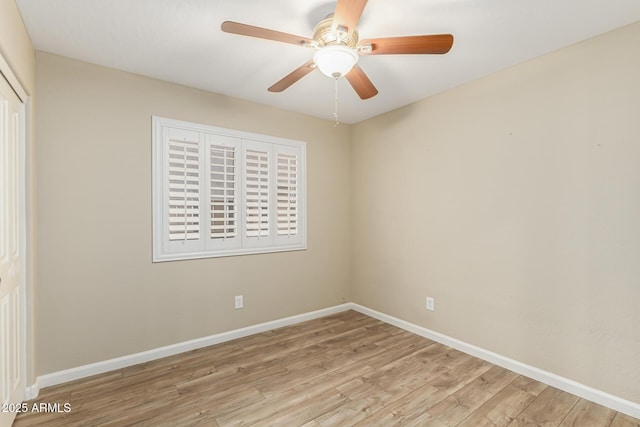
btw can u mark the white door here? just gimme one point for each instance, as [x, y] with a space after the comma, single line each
[12, 382]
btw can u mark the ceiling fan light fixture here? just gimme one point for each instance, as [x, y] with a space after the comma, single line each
[335, 61]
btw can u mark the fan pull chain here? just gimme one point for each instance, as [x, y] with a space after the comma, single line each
[335, 101]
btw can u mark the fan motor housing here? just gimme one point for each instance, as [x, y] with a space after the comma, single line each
[324, 36]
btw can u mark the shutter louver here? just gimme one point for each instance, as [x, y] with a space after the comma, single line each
[257, 193]
[287, 194]
[224, 222]
[184, 190]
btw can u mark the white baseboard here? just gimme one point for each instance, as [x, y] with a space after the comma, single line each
[31, 392]
[621, 405]
[597, 396]
[84, 371]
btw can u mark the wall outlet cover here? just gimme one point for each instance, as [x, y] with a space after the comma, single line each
[239, 302]
[431, 304]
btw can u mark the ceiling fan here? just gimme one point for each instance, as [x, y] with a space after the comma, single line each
[338, 48]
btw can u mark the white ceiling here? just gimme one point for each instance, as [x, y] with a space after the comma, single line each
[180, 41]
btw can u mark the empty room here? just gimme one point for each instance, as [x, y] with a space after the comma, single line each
[320, 213]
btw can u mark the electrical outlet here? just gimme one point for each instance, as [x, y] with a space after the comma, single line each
[239, 302]
[431, 304]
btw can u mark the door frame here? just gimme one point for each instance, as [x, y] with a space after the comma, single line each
[26, 232]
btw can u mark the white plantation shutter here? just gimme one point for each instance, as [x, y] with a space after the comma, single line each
[287, 194]
[184, 190]
[256, 187]
[224, 197]
[219, 192]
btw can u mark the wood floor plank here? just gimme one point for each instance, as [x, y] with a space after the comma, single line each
[406, 409]
[549, 408]
[292, 397]
[396, 347]
[351, 411]
[231, 380]
[425, 420]
[460, 375]
[501, 409]
[586, 413]
[528, 385]
[462, 403]
[341, 370]
[393, 379]
[364, 352]
[305, 411]
[622, 420]
[122, 406]
[380, 390]
[203, 408]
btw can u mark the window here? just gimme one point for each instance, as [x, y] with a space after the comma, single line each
[220, 192]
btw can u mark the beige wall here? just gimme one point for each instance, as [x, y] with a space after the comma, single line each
[514, 200]
[100, 296]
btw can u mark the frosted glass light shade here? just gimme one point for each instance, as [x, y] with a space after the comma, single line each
[335, 60]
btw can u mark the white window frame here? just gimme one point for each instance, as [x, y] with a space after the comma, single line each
[165, 249]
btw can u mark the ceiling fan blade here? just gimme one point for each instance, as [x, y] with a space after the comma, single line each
[361, 83]
[434, 44]
[293, 77]
[348, 14]
[263, 33]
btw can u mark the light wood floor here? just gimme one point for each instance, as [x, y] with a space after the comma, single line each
[342, 370]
